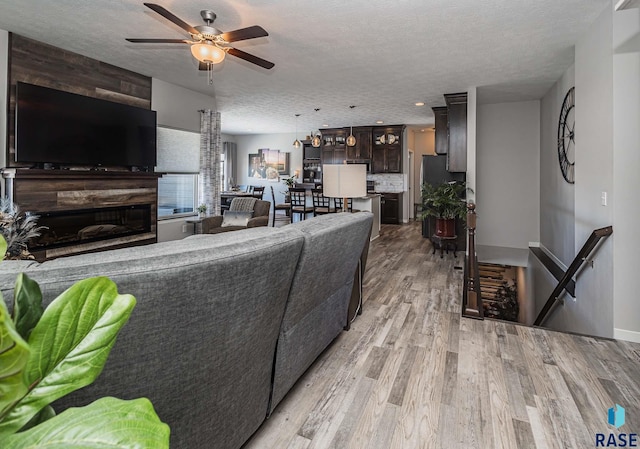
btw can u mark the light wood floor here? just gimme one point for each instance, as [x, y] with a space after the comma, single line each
[412, 374]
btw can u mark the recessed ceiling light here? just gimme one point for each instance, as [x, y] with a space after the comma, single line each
[420, 103]
[325, 126]
[379, 122]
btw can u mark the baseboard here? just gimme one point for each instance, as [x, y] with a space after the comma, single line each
[623, 334]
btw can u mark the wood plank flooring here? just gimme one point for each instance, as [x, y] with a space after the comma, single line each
[411, 373]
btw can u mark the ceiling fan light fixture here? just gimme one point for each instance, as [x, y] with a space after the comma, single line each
[207, 52]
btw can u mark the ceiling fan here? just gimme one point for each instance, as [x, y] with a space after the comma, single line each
[208, 44]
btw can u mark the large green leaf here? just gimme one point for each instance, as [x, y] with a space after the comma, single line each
[46, 413]
[14, 353]
[105, 423]
[27, 304]
[70, 345]
[3, 247]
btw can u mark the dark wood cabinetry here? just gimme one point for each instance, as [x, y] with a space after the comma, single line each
[334, 146]
[387, 150]
[311, 162]
[442, 130]
[391, 208]
[362, 149]
[380, 145]
[457, 126]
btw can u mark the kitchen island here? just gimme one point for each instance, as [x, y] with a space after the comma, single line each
[370, 203]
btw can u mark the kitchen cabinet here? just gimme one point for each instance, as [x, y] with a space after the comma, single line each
[442, 130]
[362, 149]
[311, 163]
[457, 135]
[387, 149]
[334, 147]
[391, 208]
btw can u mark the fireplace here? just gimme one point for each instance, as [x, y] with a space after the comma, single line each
[73, 227]
[86, 210]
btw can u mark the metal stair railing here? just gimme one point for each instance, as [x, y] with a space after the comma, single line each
[582, 256]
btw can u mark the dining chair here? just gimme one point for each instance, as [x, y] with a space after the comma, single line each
[321, 203]
[338, 202]
[257, 191]
[299, 203]
[280, 206]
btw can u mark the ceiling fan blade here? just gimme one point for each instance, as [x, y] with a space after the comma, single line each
[169, 16]
[244, 33]
[159, 41]
[251, 58]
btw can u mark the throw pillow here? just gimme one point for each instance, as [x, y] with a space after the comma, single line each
[231, 218]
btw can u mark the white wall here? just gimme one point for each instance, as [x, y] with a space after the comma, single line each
[471, 175]
[508, 174]
[594, 173]
[4, 69]
[556, 195]
[592, 310]
[626, 162]
[248, 144]
[178, 107]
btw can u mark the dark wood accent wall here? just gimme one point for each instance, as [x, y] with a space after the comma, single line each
[44, 65]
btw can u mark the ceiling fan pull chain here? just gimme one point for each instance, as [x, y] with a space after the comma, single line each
[210, 73]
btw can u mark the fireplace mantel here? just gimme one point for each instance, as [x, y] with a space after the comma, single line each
[65, 191]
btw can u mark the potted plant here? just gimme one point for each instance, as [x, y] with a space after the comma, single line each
[290, 181]
[202, 210]
[18, 229]
[445, 202]
[39, 365]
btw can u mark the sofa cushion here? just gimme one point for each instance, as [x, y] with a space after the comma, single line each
[201, 339]
[243, 204]
[320, 292]
[235, 218]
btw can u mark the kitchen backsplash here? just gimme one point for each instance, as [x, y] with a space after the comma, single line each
[387, 182]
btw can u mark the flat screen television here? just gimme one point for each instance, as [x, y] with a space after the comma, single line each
[64, 129]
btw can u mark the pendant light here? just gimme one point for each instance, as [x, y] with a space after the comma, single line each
[296, 143]
[317, 140]
[316, 137]
[351, 141]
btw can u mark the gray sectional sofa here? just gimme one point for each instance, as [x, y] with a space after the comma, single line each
[224, 324]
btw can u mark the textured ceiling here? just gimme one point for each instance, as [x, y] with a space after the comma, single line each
[381, 56]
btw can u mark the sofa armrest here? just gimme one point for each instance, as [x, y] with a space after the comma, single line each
[211, 222]
[258, 221]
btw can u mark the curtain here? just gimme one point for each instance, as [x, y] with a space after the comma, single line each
[210, 147]
[229, 149]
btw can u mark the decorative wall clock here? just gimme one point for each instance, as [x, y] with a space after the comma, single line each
[566, 137]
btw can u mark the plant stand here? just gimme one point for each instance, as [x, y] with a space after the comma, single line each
[195, 221]
[443, 243]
